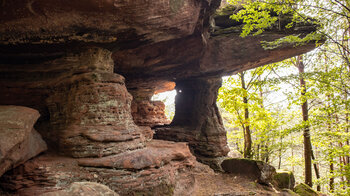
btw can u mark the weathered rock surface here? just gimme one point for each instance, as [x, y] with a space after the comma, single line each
[284, 179]
[53, 22]
[86, 106]
[305, 190]
[197, 119]
[83, 189]
[149, 113]
[155, 170]
[156, 154]
[94, 118]
[19, 141]
[68, 60]
[257, 170]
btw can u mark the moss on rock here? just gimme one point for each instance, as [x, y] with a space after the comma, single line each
[303, 189]
[284, 179]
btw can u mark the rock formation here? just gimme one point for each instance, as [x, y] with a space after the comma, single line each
[19, 141]
[84, 188]
[149, 113]
[152, 170]
[257, 170]
[90, 68]
[284, 179]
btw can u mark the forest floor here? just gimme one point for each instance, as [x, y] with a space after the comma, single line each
[220, 184]
[210, 183]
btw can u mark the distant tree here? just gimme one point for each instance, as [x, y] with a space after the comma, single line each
[241, 97]
[327, 77]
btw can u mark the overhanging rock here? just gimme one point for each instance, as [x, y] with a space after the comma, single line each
[80, 62]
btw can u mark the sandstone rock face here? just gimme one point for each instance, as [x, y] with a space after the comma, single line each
[149, 113]
[100, 22]
[197, 119]
[83, 189]
[257, 170]
[87, 106]
[156, 154]
[18, 140]
[81, 63]
[94, 118]
[147, 171]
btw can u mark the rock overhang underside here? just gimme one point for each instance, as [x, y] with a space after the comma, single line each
[90, 68]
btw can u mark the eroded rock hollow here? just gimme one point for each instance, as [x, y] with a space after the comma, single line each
[90, 68]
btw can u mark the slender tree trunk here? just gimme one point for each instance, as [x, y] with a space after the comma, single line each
[292, 155]
[267, 156]
[331, 179]
[317, 172]
[347, 158]
[306, 134]
[247, 133]
[331, 164]
[341, 158]
[280, 153]
[258, 152]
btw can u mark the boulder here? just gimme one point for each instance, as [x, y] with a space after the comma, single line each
[253, 169]
[18, 140]
[284, 179]
[83, 189]
[305, 190]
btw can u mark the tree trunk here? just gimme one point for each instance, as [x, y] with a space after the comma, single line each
[247, 133]
[307, 139]
[331, 179]
[347, 158]
[331, 164]
[280, 153]
[317, 172]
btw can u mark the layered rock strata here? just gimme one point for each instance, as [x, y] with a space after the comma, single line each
[89, 110]
[68, 60]
[153, 170]
[149, 113]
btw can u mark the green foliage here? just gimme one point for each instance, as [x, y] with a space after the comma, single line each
[259, 15]
[261, 121]
[295, 40]
[277, 128]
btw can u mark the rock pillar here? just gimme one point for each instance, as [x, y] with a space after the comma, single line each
[197, 119]
[90, 109]
[89, 118]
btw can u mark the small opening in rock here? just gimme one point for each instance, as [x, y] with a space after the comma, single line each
[168, 98]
